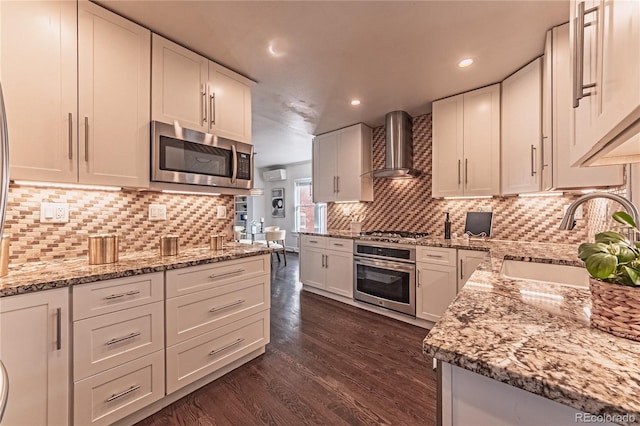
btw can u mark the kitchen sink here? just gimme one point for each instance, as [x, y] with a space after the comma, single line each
[571, 276]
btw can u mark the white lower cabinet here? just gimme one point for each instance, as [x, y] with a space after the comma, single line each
[118, 330]
[34, 348]
[215, 315]
[436, 285]
[327, 264]
[468, 261]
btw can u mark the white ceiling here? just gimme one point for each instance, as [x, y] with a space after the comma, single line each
[389, 54]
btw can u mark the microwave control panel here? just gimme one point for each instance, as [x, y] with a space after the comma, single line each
[244, 166]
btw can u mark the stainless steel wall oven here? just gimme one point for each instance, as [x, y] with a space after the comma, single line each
[385, 275]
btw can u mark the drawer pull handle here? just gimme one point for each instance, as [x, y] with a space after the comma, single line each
[229, 305]
[215, 351]
[435, 256]
[237, 271]
[313, 241]
[119, 295]
[123, 338]
[338, 244]
[123, 393]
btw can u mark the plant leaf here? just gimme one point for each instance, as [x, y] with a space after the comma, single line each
[633, 274]
[625, 254]
[610, 237]
[625, 219]
[601, 265]
[587, 249]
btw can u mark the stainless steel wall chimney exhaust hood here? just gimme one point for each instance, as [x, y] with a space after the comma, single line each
[398, 147]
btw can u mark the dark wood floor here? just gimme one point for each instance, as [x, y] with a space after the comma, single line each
[327, 364]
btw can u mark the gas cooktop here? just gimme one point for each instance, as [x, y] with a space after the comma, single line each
[396, 234]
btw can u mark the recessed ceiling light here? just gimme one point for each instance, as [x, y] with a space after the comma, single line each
[465, 62]
[355, 102]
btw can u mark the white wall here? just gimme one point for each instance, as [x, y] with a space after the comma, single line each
[258, 203]
[294, 171]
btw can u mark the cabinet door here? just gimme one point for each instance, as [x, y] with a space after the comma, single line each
[468, 261]
[521, 129]
[114, 100]
[482, 141]
[348, 185]
[178, 85]
[546, 168]
[435, 290]
[339, 276]
[559, 112]
[448, 142]
[38, 371]
[312, 271]
[229, 104]
[325, 148]
[39, 81]
[617, 94]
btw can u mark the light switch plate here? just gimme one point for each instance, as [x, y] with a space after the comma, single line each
[54, 212]
[157, 212]
[221, 212]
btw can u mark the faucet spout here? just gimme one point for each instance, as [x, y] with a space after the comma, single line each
[568, 221]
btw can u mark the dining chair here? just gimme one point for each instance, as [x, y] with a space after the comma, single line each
[275, 240]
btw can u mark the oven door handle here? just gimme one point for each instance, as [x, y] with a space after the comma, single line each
[396, 266]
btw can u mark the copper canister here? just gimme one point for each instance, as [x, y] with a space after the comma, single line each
[168, 245]
[216, 242]
[4, 256]
[103, 248]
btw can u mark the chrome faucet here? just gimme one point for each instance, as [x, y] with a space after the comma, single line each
[568, 221]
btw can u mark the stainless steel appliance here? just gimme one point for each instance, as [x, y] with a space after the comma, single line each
[180, 155]
[385, 275]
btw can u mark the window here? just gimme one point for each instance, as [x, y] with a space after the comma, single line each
[310, 217]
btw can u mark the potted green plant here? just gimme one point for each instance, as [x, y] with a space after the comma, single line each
[613, 262]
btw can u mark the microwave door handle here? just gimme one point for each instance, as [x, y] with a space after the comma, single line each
[235, 164]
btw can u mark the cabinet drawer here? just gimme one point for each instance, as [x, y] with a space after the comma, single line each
[340, 244]
[113, 295]
[196, 313]
[313, 241]
[436, 255]
[197, 278]
[110, 396]
[112, 339]
[195, 358]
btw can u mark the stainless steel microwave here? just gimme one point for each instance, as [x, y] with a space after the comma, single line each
[180, 155]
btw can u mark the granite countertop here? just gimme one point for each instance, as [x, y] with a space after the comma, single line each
[40, 276]
[536, 336]
[532, 335]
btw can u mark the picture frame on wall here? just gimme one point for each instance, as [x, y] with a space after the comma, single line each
[277, 202]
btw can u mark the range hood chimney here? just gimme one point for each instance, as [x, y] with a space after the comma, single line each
[398, 162]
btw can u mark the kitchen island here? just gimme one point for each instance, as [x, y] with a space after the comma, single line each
[533, 336]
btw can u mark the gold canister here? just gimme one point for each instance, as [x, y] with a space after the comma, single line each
[4, 256]
[216, 242]
[103, 248]
[168, 245]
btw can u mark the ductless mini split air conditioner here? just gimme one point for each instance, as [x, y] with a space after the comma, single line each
[274, 175]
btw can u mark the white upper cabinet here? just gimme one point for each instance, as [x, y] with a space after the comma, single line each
[466, 144]
[39, 79]
[557, 172]
[521, 130]
[606, 123]
[45, 109]
[179, 85]
[114, 80]
[229, 104]
[341, 165]
[198, 93]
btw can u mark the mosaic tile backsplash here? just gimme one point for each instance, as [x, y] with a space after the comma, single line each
[192, 217]
[407, 204]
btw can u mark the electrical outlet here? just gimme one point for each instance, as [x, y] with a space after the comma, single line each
[157, 212]
[346, 211]
[221, 212]
[485, 208]
[54, 212]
